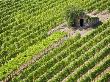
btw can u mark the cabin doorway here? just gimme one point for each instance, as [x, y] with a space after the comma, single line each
[81, 22]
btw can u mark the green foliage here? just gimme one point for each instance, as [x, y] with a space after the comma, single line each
[105, 77]
[47, 57]
[71, 15]
[25, 23]
[58, 64]
[23, 33]
[98, 5]
[14, 63]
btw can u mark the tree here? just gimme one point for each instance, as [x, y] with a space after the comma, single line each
[71, 14]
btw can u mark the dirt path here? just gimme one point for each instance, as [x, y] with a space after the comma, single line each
[103, 73]
[103, 16]
[70, 31]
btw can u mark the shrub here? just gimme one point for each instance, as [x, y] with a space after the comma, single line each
[71, 14]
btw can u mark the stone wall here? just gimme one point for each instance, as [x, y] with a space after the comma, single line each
[92, 21]
[88, 21]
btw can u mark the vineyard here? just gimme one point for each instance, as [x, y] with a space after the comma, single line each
[29, 54]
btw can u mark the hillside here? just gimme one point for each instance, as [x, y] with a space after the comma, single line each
[36, 45]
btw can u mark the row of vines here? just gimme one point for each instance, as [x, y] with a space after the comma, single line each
[71, 61]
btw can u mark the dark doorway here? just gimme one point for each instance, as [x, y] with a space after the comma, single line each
[81, 22]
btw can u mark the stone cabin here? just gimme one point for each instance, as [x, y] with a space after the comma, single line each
[84, 21]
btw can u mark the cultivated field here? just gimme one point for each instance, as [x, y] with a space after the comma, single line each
[36, 45]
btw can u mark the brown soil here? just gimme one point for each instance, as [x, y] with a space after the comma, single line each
[70, 31]
[103, 16]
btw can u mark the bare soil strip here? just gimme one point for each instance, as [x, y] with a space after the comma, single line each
[104, 72]
[70, 31]
[103, 16]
